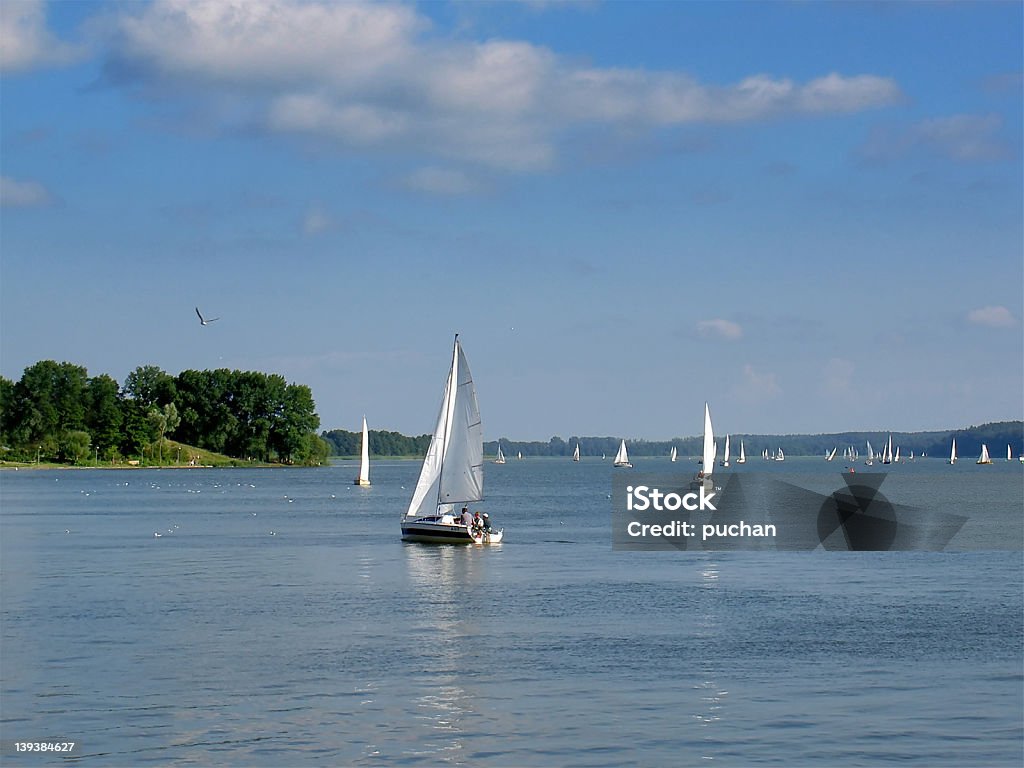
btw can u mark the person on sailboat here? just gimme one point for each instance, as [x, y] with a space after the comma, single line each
[486, 523]
[478, 523]
[467, 519]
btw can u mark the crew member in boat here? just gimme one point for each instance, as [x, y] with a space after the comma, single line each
[485, 523]
[478, 523]
[467, 519]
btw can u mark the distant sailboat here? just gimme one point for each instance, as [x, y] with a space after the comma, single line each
[364, 461]
[984, 458]
[576, 453]
[780, 456]
[743, 456]
[519, 454]
[501, 456]
[622, 458]
[708, 453]
[830, 456]
[725, 456]
[672, 455]
[870, 460]
[952, 452]
[1009, 454]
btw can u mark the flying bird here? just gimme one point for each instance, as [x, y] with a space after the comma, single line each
[203, 320]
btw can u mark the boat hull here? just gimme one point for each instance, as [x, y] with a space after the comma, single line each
[364, 483]
[434, 531]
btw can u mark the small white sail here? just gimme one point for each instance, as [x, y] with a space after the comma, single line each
[710, 450]
[984, 458]
[622, 458]
[501, 456]
[743, 456]
[780, 456]
[364, 461]
[1009, 454]
[831, 456]
[576, 453]
[952, 452]
[519, 454]
[672, 456]
[725, 456]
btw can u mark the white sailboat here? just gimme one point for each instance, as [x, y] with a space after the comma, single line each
[622, 458]
[870, 460]
[519, 454]
[501, 456]
[673, 454]
[707, 459]
[780, 456]
[363, 478]
[984, 458]
[830, 456]
[952, 452]
[1009, 454]
[743, 456]
[452, 476]
[725, 456]
[576, 453]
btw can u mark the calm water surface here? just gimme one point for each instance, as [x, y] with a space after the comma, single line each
[278, 620]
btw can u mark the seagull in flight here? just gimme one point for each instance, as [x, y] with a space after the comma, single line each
[203, 320]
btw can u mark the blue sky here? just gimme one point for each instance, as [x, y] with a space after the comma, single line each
[808, 214]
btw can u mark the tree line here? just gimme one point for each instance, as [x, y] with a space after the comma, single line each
[996, 435]
[57, 412]
[381, 443]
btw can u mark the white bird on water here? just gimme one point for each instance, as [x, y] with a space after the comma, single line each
[203, 320]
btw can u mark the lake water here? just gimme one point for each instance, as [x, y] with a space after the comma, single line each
[331, 642]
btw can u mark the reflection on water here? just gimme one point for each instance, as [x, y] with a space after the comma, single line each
[711, 697]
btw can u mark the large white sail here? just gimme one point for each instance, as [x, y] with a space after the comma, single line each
[622, 457]
[708, 455]
[364, 461]
[452, 471]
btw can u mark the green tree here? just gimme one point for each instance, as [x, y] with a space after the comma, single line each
[48, 400]
[75, 446]
[149, 385]
[164, 420]
[104, 415]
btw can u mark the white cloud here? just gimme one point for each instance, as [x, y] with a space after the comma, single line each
[964, 138]
[756, 386]
[992, 317]
[25, 42]
[370, 75]
[721, 329]
[316, 221]
[22, 194]
[440, 181]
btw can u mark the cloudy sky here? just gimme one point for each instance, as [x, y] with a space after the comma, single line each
[808, 214]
